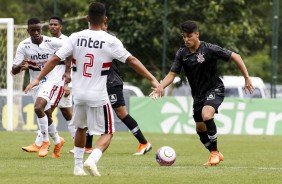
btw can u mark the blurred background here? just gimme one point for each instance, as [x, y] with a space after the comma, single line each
[149, 29]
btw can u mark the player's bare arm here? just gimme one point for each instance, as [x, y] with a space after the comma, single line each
[67, 74]
[168, 79]
[134, 63]
[67, 90]
[50, 65]
[164, 83]
[236, 58]
[18, 68]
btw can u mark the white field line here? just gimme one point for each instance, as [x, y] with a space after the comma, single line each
[215, 167]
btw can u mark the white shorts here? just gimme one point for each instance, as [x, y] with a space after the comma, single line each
[59, 100]
[99, 120]
[45, 91]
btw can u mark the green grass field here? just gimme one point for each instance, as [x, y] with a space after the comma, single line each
[248, 159]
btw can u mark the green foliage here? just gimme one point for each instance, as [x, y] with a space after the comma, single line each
[239, 25]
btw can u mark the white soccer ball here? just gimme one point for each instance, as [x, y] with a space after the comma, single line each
[165, 156]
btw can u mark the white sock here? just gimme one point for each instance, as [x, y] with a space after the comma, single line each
[43, 124]
[54, 133]
[71, 128]
[78, 156]
[95, 155]
[39, 138]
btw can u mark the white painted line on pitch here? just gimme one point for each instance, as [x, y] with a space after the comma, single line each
[204, 167]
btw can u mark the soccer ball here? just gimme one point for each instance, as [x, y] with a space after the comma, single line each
[165, 156]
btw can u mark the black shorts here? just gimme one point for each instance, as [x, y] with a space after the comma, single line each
[213, 98]
[116, 96]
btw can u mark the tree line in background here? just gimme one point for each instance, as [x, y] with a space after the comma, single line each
[242, 26]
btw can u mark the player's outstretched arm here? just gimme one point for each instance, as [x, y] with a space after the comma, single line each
[164, 83]
[51, 63]
[236, 58]
[134, 63]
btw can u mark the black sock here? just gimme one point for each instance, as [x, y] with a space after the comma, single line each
[205, 139]
[134, 128]
[89, 139]
[211, 130]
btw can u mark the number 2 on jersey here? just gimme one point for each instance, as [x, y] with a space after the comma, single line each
[88, 64]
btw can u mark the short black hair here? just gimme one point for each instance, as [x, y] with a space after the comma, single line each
[33, 21]
[96, 12]
[189, 26]
[57, 18]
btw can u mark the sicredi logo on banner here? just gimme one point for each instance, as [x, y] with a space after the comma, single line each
[236, 116]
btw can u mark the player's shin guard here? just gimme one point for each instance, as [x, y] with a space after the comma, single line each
[43, 124]
[205, 139]
[212, 133]
[134, 128]
[53, 133]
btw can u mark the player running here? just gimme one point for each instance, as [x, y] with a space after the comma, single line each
[32, 53]
[199, 61]
[93, 51]
[62, 96]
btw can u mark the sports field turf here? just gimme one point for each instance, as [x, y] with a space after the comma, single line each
[248, 159]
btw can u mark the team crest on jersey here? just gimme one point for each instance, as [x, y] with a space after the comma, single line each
[200, 58]
[211, 96]
[113, 98]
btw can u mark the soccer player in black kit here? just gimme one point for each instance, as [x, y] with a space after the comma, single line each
[199, 61]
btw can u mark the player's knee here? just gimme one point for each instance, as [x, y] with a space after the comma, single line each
[39, 110]
[207, 116]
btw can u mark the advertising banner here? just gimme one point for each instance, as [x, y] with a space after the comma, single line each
[25, 118]
[236, 116]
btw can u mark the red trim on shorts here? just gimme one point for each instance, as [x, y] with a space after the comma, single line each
[110, 123]
[60, 94]
[52, 91]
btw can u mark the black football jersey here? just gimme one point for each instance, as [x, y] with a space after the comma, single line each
[114, 77]
[200, 67]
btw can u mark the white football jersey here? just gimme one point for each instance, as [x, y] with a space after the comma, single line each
[93, 52]
[37, 56]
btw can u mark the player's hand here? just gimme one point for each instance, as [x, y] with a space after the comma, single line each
[156, 93]
[31, 85]
[248, 86]
[67, 77]
[18, 68]
[157, 87]
[24, 65]
[67, 90]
